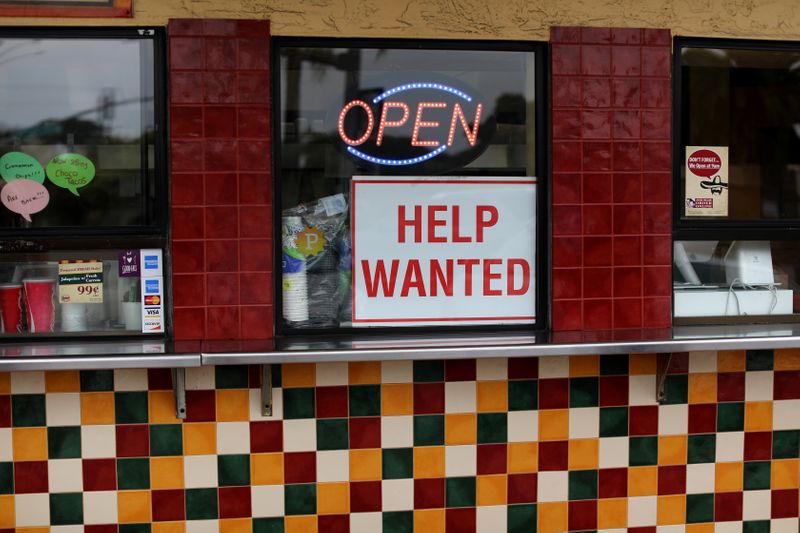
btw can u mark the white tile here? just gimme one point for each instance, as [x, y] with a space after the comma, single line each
[728, 527]
[32, 509]
[491, 519]
[619, 530]
[758, 386]
[202, 526]
[704, 361]
[255, 405]
[785, 414]
[700, 478]
[670, 529]
[397, 372]
[730, 446]
[267, 500]
[100, 507]
[333, 465]
[553, 486]
[366, 522]
[523, 426]
[331, 374]
[6, 447]
[200, 471]
[63, 409]
[460, 460]
[130, 379]
[200, 378]
[397, 494]
[613, 452]
[300, 435]
[66, 529]
[27, 382]
[673, 419]
[492, 369]
[757, 505]
[784, 525]
[459, 397]
[233, 437]
[554, 367]
[642, 390]
[584, 423]
[642, 511]
[65, 475]
[98, 442]
[397, 431]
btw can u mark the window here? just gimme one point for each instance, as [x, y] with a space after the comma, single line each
[406, 171]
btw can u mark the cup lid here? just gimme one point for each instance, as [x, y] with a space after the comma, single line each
[10, 285]
[38, 280]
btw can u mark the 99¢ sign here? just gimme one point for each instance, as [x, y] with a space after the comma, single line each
[443, 251]
[80, 282]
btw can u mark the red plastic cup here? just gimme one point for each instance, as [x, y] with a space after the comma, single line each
[41, 307]
[10, 308]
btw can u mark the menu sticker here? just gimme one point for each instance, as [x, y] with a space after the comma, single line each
[129, 264]
[25, 197]
[71, 171]
[80, 282]
[706, 180]
[20, 166]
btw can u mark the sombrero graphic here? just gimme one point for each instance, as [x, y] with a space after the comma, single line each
[716, 185]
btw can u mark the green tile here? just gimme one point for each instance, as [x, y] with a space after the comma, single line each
[27, 410]
[643, 451]
[676, 389]
[523, 395]
[730, 416]
[613, 421]
[760, 359]
[166, 439]
[521, 519]
[134, 528]
[426, 371]
[232, 376]
[332, 434]
[702, 449]
[130, 407]
[398, 463]
[428, 430]
[756, 475]
[268, 525]
[277, 381]
[583, 485]
[7, 478]
[756, 526]
[699, 508]
[63, 442]
[233, 470]
[201, 504]
[583, 392]
[298, 403]
[492, 428]
[786, 444]
[460, 491]
[300, 499]
[365, 400]
[613, 365]
[133, 474]
[398, 522]
[66, 509]
[97, 380]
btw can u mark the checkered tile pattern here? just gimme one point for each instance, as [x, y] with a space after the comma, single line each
[519, 445]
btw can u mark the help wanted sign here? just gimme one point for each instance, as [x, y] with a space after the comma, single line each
[443, 251]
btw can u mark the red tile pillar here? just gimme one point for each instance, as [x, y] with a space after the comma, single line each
[612, 176]
[221, 178]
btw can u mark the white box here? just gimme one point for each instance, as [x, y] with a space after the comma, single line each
[712, 302]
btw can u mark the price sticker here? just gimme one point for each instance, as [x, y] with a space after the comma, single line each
[80, 282]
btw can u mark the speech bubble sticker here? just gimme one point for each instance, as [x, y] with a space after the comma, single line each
[70, 171]
[20, 166]
[25, 197]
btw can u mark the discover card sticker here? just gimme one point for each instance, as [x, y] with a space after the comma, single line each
[706, 178]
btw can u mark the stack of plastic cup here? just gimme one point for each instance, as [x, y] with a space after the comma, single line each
[294, 280]
[39, 294]
[10, 308]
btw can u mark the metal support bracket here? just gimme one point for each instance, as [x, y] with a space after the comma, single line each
[266, 390]
[662, 366]
[179, 390]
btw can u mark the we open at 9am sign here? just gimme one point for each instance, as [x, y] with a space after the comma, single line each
[443, 251]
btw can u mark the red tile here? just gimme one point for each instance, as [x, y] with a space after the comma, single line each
[703, 418]
[187, 223]
[332, 402]
[613, 391]
[566, 156]
[428, 493]
[219, 27]
[220, 54]
[460, 520]
[642, 529]
[627, 156]
[5, 411]
[597, 282]
[553, 455]
[626, 93]
[253, 54]
[728, 506]
[627, 219]
[657, 156]
[200, 406]
[189, 323]
[185, 53]
[185, 27]
[643, 420]
[299, 467]
[597, 188]
[567, 315]
[566, 252]
[99, 474]
[428, 398]
[554, 393]
[254, 156]
[596, 156]
[730, 387]
[671, 479]
[521, 488]
[596, 60]
[656, 61]
[566, 91]
[656, 124]
[657, 250]
[255, 222]
[628, 313]
[220, 155]
[133, 440]
[566, 124]
[596, 219]
[234, 502]
[628, 251]
[659, 187]
[657, 312]
[459, 370]
[566, 220]
[657, 281]
[104, 528]
[222, 322]
[365, 432]
[582, 515]
[365, 496]
[523, 368]
[186, 121]
[221, 255]
[220, 87]
[596, 93]
[596, 125]
[657, 218]
[565, 34]
[159, 379]
[223, 289]
[757, 446]
[656, 93]
[626, 35]
[565, 59]
[253, 87]
[597, 251]
[784, 503]
[256, 322]
[657, 36]
[30, 477]
[595, 35]
[187, 257]
[625, 60]
[187, 189]
[255, 288]
[255, 255]
[492, 459]
[334, 523]
[613, 482]
[627, 282]
[253, 121]
[786, 385]
[188, 289]
[252, 28]
[566, 283]
[627, 124]
[219, 121]
[186, 87]
[266, 436]
[597, 314]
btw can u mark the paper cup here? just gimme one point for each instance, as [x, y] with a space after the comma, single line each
[10, 308]
[40, 305]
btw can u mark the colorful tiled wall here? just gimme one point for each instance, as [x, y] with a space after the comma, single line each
[520, 445]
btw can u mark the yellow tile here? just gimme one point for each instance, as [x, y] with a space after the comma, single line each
[236, 525]
[523, 457]
[758, 416]
[365, 465]
[162, 407]
[461, 428]
[552, 517]
[643, 481]
[298, 375]
[233, 405]
[671, 510]
[429, 520]
[200, 438]
[492, 490]
[166, 472]
[300, 524]
[584, 365]
[29, 444]
[169, 527]
[785, 473]
[5, 383]
[612, 513]
[7, 518]
[703, 388]
[133, 506]
[364, 372]
[643, 363]
[728, 477]
[554, 424]
[428, 461]
[266, 468]
[583, 454]
[730, 361]
[700, 528]
[492, 396]
[62, 381]
[788, 359]
[672, 450]
[333, 498]
[97, 408]
[397, 399]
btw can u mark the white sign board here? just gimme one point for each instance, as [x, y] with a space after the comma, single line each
[443, 251]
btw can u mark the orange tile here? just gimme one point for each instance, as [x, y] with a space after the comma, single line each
[429, 520]
[7, 519]
[97, 408]
[200, 438]
[166, 472]
[29, 444]
[523, 457]
[703, 388]
[5, 383]
[298, 375]
[492, 396]
[730, 361]
[162, 407]
[583, 454]
[758, 416]
[397, 399]
[671, 510]
[233, 405]
[236, 525]
[700, 528]
[266, 468]
[554, 424]
[300, 524]
[461, 428]
[62, 381]
[333, 498]
[785, 474]
[612, 513]
[643, 481]
[788, 359]
[672, 450]
[169, 527]
[365, 465]
[552, 517]
[584, 365]
[364, 372]
[643, 363]
[428, 461]
[492, 490]
[729, 477]
[133, 506]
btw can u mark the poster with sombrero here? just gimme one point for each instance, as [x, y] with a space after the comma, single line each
[706, 179]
